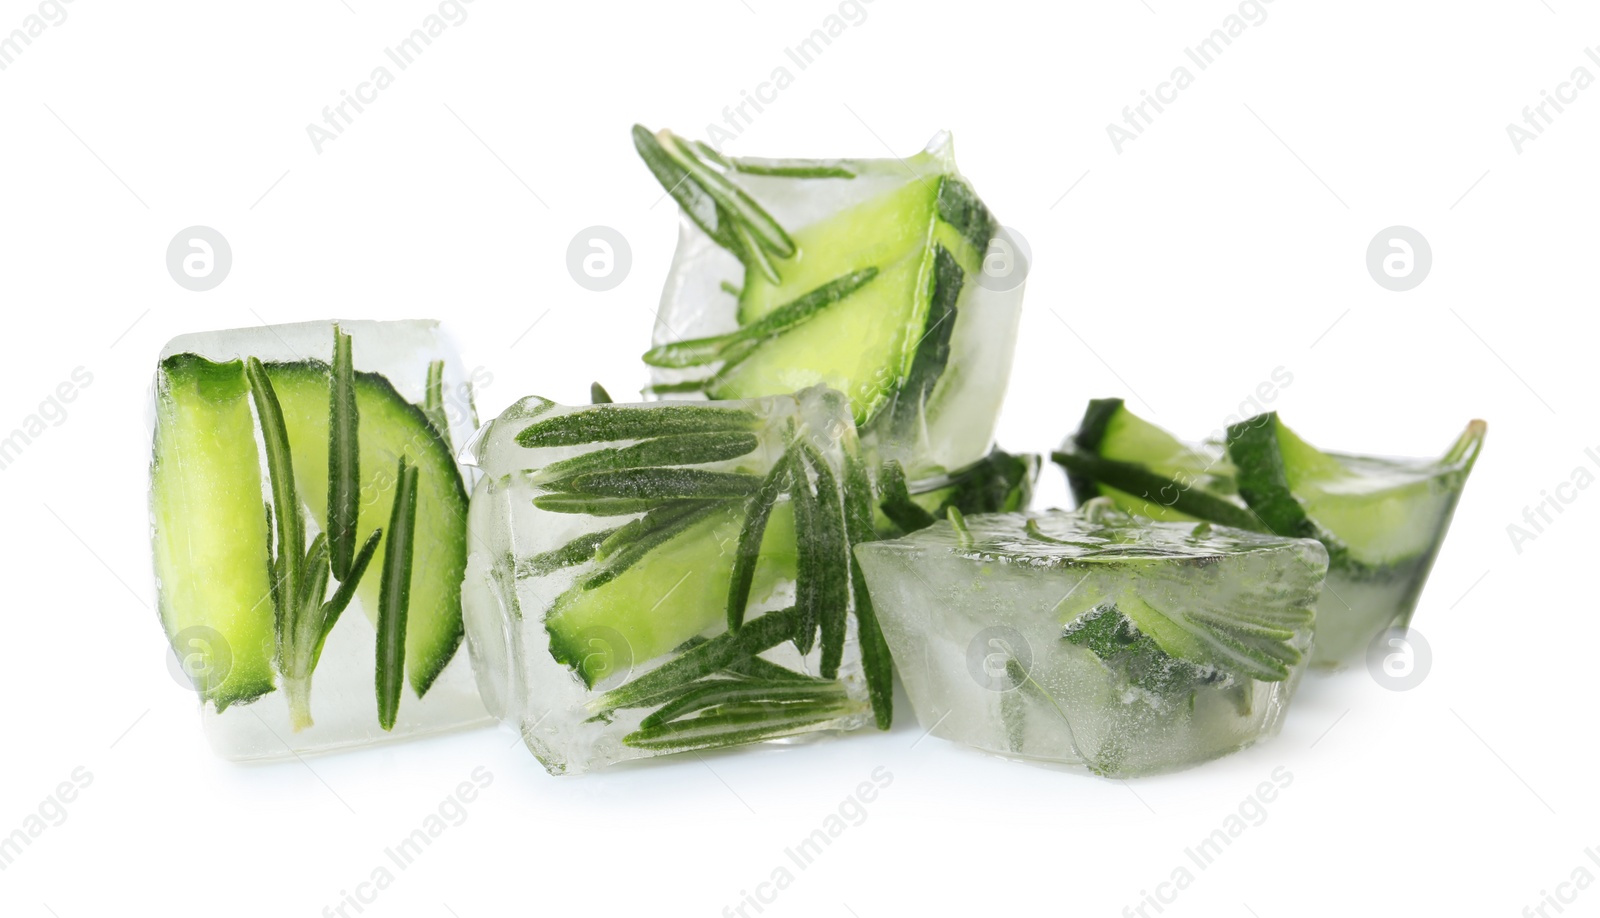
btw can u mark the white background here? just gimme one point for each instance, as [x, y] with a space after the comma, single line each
[1225, 242]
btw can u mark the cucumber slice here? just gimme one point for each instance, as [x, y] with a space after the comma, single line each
[211, 534]
[888, 336]
[675, 592]
[1147, 471]
[390, 428]
[1382, 521]
[1370, 512]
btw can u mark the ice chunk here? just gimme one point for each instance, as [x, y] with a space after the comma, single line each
[270, 530]
[1095, 639]
[660, 577]
[869, 276]
[1382, 520]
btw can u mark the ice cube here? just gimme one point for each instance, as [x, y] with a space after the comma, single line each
[1095, 639]
[1382, 520]
[922, 320]
[278, 677]
[610, 543]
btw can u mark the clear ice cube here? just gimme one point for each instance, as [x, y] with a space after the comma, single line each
[934, 414]
[212, 506]
[607, 541]
[1095, 639]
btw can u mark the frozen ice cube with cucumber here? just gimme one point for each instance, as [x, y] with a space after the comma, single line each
[309, 532]
[1382, 520]
[671, 576]
[1095, 638]
[868, 276]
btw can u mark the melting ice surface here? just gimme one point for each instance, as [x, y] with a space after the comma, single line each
[1096, 640]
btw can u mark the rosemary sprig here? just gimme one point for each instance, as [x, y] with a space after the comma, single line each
[433, 403]
[763, 633]
[335, 606]
[830, 554]
[576, 551]
[807, 581]
[291, 527]
[662, 484]
[757, 509]
[594, 506]
[700, 351]
[664, 529]
[679, 449]
[602, 423]
[724, 211]
[715, 693]
[875, 659]
[344, 463]
[394, 595]
[299, 575]
[733, 725]
[896, 502]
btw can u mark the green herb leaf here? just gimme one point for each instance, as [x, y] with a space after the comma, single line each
[1141, 482]
[603, 423]
[736, 725]
[291, 533]
[1136, 659]
[876, 663]
[681, 449]
[335, 606]
[344, 463]
[731, 692]
[896, 501]
[751, 217]
[394, 595]
[662, 484]
[700, 206]
[655, 528]
[433, 403]
[594, 506]
[808, 560]
[598, 394]
[576, 551]
[760, 634]
[757, 509]
[699, 351]
[830, 551]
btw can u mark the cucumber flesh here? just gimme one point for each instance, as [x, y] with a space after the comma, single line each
[211, 533]
[1381, 512]
[1147, 471]
[390, 428]
[892, 332]
[673, 594]
[1130, 438]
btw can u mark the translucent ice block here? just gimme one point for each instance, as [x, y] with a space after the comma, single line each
[1382, 520]
[654, 578]
[287, 670]
[1095, 639]
[887, 279]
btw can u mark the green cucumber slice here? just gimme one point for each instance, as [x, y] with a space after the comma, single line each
[391, 428]
[1146, 470]
[211, 534]
[672, 594]
[1370, 512]
[891, 333]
